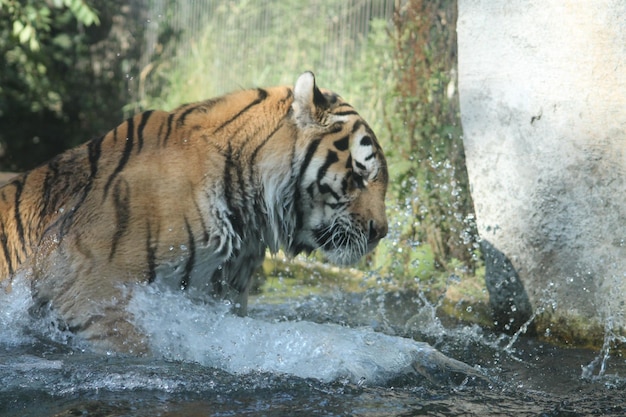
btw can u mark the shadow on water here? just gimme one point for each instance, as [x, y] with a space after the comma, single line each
[41, 377]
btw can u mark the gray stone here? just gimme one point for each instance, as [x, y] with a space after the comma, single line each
[542, 86]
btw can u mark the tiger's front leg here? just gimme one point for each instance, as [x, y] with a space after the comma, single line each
[91, 301]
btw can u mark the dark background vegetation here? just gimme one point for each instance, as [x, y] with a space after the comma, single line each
[65, 75]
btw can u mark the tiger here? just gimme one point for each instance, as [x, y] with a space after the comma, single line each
[193, 199]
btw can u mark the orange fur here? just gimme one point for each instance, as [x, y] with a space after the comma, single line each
[192, 198]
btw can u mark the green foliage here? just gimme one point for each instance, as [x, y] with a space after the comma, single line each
[407, 83]
[32, 19]
[51, 95]
[235, 49]
[26, 28]
[422, 119]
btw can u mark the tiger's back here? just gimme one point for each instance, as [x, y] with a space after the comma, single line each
[153, 162]
[192, 198]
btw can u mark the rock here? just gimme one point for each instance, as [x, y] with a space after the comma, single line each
[542, 88]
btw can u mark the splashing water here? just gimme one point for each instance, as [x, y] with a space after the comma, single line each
[184, 327]
[181, 329]
[209, 362]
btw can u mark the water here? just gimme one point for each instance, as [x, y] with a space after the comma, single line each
[338, 354]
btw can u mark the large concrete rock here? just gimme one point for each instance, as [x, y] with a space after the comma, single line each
[542, 85]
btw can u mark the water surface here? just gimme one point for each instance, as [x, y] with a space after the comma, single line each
[43, 372]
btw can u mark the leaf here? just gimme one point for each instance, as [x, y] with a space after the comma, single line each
[26, 34]
[18, 27]
[83, 13]
[33, 44]
[63, 41]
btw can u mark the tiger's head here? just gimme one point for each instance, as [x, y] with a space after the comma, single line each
[342, 177]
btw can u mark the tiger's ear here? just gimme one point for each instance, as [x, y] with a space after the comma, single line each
[308, 100]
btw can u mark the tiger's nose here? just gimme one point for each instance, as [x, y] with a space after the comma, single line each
[377, 231]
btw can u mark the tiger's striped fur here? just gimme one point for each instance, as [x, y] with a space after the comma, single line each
[193, 198]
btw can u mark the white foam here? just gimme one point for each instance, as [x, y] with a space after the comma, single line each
[181, 329]
[15, 300]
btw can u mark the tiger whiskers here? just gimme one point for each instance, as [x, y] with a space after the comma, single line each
[342, 243]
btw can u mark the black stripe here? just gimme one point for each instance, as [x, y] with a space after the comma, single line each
[324, 189]
[205, 230]
[342, 105]
[144, 120]
[305, 164]
[183, 115]
[349, 162]
[159, 136]
[288, 97]
[121, 203]
[94, 152]
[234, 212]
[217, 279]
[184, 282]
[308, 156]
[49, 182]
[204, 107]
[334, 128]
[342, 144]
[331, 158]
[255, 152]
[242, 195]
[170, 121]
[128, 147]
[5, 247]
[253, 160]
[261, 97]
[346, 113]
[151, 248]
[19, 186]
[320, 100]
[357, 125]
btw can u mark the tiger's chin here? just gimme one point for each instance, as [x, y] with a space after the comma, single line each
[344, 247]
[344, 256]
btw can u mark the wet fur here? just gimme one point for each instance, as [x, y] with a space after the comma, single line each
[192, 199]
